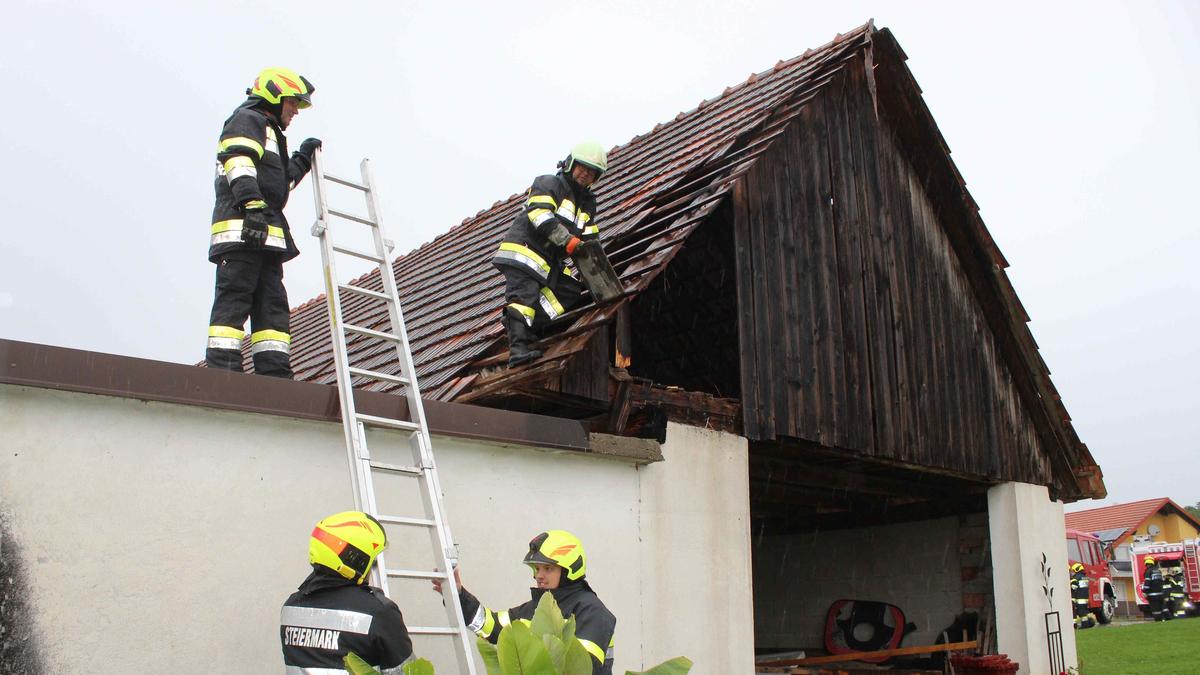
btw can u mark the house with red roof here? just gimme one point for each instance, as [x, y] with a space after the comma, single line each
[1120, 526]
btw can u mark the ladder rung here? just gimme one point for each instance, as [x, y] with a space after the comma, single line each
[415, 574]
[403, 425]
[359, 254]
[351, 328]
[351, 216]
[347, 183]
[396, 468]
[364, 291]
[395, 379]
[431, 630]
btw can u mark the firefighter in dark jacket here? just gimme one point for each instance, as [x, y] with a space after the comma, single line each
[559, 567]
[1079, 597]
[334, 613]
[1155, 590]
[559, 213]
[250, 238]
[1174, 594]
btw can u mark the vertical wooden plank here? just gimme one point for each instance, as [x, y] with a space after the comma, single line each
[854, 433]
[827, 331]
[753, 422]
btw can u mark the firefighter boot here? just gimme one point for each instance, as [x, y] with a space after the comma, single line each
[519, 337]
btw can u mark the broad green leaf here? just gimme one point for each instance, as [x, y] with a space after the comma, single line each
[547, 618]
[676, 666]
[558, 651]
[568, 633]
[491, 659]
[579, 661]
[418, 667]
[521, 653]
[356, 666]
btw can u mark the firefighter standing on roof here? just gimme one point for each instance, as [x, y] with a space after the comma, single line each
[559, 213]
[250, 238]
[334, 612]
[559, 567]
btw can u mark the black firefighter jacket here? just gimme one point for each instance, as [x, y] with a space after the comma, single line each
[329, 616]
[551, 200]
[251, 167]
[594, 624]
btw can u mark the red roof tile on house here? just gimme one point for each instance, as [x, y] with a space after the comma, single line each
[1129, 516]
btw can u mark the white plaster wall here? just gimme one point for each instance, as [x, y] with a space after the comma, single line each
[695, 567]
[163, 538]
[1024, 525]
[914, 566]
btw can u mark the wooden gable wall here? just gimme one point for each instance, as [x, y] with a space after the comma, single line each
[858, 327]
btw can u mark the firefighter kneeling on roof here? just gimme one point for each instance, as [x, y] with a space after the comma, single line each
[559, 214]
[1079, 597]
[559, 567]
[334, 613]
[250, 238]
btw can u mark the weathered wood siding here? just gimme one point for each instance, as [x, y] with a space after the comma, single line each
[859, 329]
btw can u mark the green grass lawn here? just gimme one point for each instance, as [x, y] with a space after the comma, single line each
[1166, 648]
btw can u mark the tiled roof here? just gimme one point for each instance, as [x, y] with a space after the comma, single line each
[660, 186]
[1128, 516]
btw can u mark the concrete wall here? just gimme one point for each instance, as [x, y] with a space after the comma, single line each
[156, 537]
[915, 566]
[1026, 528]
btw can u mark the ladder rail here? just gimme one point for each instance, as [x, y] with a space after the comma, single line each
[416, 410]
[355, 425]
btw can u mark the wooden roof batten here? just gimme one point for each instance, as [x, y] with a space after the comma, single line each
[663, 186]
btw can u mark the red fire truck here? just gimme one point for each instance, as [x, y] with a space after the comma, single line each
[1085, 548]
[1181, 555]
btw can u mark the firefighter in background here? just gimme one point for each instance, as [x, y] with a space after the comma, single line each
[1173, 592]
[559, 567]
[1079, 597]
[250, 238]
[1153, 588]
[559, 214]
[334, 612]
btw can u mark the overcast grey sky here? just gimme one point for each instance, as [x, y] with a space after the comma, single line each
[1076, 125]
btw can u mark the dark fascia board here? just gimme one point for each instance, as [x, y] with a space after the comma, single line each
[48, 367]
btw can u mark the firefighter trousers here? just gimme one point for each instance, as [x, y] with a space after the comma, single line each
[536, 304]
[250, 284]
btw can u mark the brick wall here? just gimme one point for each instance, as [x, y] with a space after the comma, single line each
[929, 569]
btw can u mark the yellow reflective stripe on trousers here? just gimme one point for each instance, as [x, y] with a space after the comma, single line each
[525, 310]
[524, 256]
[241, 142]
[550, 304]
[270, 341]
[225, 337]
[238, 166]
[593, 649]
[225, 231]
[541, 199]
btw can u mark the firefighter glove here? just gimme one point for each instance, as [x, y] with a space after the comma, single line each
[572, 244]
[559, 236]
[309, 146]
[254, 226]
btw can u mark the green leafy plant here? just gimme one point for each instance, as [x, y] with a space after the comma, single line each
[355, 665]
[545, 646]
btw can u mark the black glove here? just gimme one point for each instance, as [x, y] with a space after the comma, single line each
[254, 226]
[308, 147]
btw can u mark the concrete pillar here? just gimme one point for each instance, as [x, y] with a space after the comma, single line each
[1026, 528]
[696, 591]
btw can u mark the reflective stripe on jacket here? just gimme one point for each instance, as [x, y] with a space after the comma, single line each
[551, 200]
[251, 167]
[329, 617]
[594, 624]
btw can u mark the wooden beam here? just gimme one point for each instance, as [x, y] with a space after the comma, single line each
[622, 338]
[854, 656]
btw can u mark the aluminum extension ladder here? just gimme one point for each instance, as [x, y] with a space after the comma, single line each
[362, 468]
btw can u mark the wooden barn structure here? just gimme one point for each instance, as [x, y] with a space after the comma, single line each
[803, 267]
